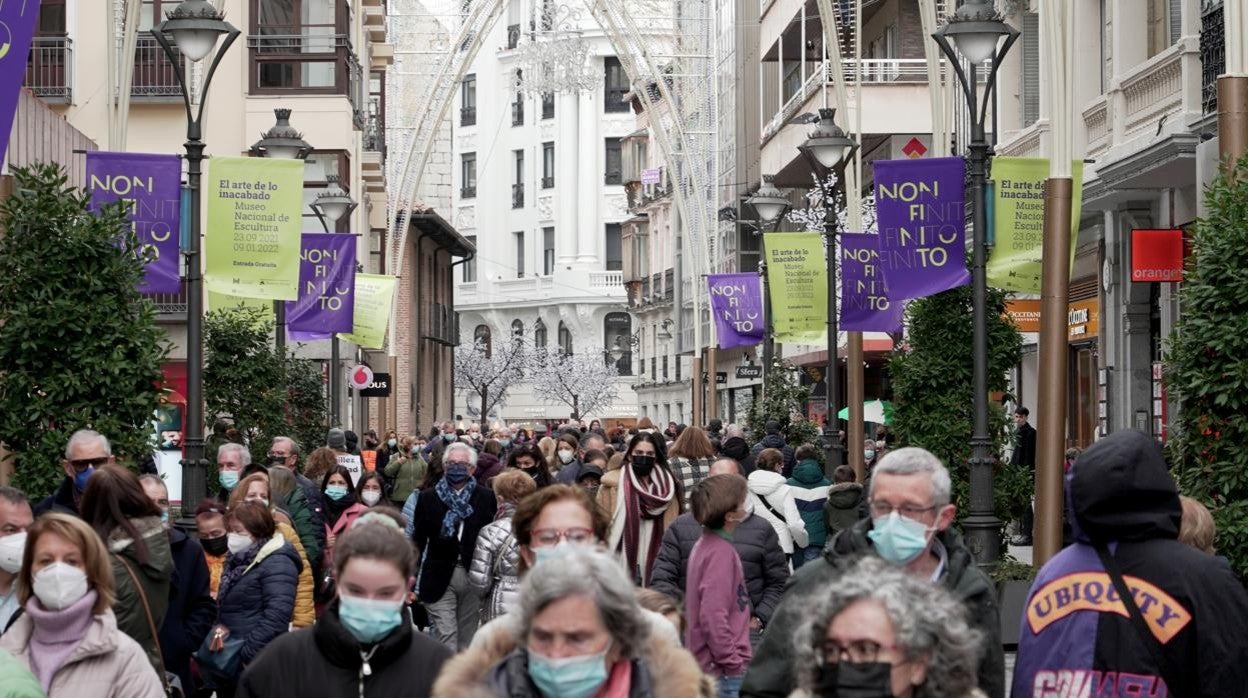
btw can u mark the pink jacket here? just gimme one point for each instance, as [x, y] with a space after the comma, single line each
[106, 664]
[718, 607]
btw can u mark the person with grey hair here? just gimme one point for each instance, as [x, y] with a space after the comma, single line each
[15, 517]
[445, 525]
[232, 459]
[581, 633]
[85, 452]
[910, 528]
[303, 501]
[884, 633]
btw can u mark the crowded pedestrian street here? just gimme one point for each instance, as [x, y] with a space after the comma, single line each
[623, 349]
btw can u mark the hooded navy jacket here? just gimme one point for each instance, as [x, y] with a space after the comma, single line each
[1076, 638]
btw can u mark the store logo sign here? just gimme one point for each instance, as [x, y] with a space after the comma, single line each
[1157, 256]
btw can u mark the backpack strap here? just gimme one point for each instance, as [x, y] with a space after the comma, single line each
[1162, 660]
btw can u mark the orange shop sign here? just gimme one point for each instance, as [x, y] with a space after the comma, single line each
[1025, 313]
[1083, 320]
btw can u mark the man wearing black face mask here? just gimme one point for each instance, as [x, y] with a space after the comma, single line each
[448, 518]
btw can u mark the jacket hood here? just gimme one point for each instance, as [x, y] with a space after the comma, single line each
[773, 441]
[846, 495]
[764, 482]
[735, 447]
[159, 554]
[1120, 490]
[809, 474]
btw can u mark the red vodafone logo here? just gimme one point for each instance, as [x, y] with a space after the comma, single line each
[360, 377]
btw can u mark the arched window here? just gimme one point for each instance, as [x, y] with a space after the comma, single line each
[617, 335]
[565, 339]
[517, 330]
[482, 335]
[539, 334]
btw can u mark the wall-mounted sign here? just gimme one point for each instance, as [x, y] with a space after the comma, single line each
[1083, 320]
[1156, 255]
[1024, 313]
[721, 376]
[360, 377]
[379, 387]
[749, 372]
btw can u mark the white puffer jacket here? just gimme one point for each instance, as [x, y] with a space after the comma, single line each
[769, 491]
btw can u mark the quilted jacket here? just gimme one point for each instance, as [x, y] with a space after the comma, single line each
[495, 568]
[259, 605]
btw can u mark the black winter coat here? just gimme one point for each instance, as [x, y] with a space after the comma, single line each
[192, 609]
[62, 500]
[771, 673]
[325, 661]
[775, 441]
[763, 562]
[737, 449]
[439, 555]
[260, 604]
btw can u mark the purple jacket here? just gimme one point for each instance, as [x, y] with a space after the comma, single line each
[718, 608]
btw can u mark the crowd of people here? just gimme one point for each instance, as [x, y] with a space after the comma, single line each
[573, 561]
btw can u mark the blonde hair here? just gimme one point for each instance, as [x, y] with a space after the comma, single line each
[547, 446]
[95, 560]
[1196, 527]
[511, 486]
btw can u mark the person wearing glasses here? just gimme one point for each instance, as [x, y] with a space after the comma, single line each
[86, 451]
[911, 506]
[881, 632]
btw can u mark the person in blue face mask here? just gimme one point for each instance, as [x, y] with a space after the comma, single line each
[911, 512]
[581, 634]
[364, 643]
[86, 452]
[232, 459]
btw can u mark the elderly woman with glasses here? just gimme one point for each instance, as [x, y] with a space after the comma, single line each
[879, 632]
[581, 634]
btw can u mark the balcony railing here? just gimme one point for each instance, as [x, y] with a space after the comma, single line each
[517, 113]
[613, 101]
[468, 192]
[375, 127]
[48, 68]
[467, 116]
[170, 304]
[154, 76]
[668, 290]
[548, 182]
[606, 279]
[1212, 53]
[517, 196]
[613, 177]
[548, 105]
[285, 60]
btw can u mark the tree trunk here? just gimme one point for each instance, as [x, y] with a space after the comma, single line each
[485, 417]
[576, 410]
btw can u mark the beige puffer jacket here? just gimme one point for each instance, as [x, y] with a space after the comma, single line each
[106, 664]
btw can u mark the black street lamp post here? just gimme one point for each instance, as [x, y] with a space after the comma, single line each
[770, 205]
[827, 149]
[333, 204]
[977, 30]
[281, 142]
[194, 27]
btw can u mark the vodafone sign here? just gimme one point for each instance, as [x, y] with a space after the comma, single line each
[360, 377]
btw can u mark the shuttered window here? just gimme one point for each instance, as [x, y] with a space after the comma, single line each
[1031, 68]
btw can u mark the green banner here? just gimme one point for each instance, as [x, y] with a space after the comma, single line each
[1018, 220]
[373, 295]
[797, 272]
[255, 208]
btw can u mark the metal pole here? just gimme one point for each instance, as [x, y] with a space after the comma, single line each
[1232, 116]
[712, 388]
[769, 341]
[982, 527]
[279, 315]
[335, 381]
[831, 444]
[699, 381]
[194, 467]
[1051, 433]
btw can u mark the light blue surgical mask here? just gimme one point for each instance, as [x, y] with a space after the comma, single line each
[898, 539]
[369, 620]
[868, 454]
[228, 479]
[164, 517]
[449, 437]
[392, 443]
[505, 443]
[336, 492]
[569, 677]
[551, 552]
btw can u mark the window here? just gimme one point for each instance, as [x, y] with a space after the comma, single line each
[517, 107]
[665, 367]
[468, 176]
[548, 165]
[565, 339]
[470, 266]
[316, 170]
[539, 334]
[301, 46]
[615, 248]
[519, 254]
[517, 330]
[468, 101]
[617, 331]
[548, 105]
[1030, 68]
[482, 335]
[614, 167]
[1163, 25]
[47, 64]
[615, 85]
[517, 188]
[548, 251]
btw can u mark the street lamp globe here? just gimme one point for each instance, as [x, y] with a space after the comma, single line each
[195, 26]
[827, 143]
[768, 201]
[282, 141]
[976, 29]
[334, 202]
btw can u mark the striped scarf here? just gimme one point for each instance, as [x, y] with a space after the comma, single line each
[644, 506]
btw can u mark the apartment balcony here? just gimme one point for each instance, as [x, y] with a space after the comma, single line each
[1212, 53]
[668, 286]
[307, 64]
[48, 69]
[170, 307]
[612, 280]
[517, 196]
[894, 101]
[373, 160]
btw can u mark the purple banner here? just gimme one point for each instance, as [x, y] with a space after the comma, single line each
[326, 287]
[17, 27]
[151, 187]
[865, 306]
[737, 305]
[921, 209]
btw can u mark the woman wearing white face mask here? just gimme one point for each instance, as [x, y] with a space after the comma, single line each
[364, 643]
[68, 635]
[255, 488]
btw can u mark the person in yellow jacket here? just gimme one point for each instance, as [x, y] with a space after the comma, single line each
[255, 487]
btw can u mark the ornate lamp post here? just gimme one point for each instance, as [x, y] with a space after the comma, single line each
[191, 31]
[827, 149]
[977, 31]
[331, 206]
[769, 204]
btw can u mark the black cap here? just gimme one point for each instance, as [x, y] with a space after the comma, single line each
[589, 470]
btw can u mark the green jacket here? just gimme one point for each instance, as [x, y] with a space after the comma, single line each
[305, 524]
[153, 583]
[16, 681]
[771, 672]
[408, 473]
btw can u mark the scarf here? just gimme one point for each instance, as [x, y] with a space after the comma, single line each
[644, 507]
[56, 634]
[458, 505]
[236, 565]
